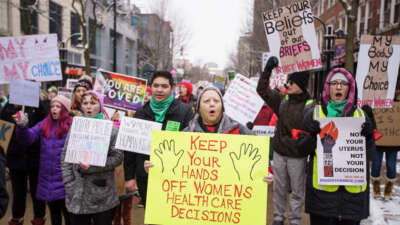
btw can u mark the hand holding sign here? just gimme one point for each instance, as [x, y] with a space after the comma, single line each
[244, 162]
[167, 153]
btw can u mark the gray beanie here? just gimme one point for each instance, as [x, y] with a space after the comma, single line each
[208, 88]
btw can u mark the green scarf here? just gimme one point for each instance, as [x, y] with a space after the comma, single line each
[161, 108]
[99, 115]
[335, 109]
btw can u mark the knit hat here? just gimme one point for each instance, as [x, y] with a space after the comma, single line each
[212, 88]
[63, 101]
[99, 96]
[188, 86]
[84, 83]
[300, 78]
[339, 76]
[52, 89]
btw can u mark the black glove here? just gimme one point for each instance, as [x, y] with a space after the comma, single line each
[367, 129]
[313, 127]
[271, 64]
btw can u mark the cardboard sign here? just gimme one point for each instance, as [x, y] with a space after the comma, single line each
[33, 57]
[65, 92]
[71, 83]
[341, 152]
[120, 91]
[6, 131]
[276, 80]
[264, 131]
[377, 70]
[387, 123]
[135, 135]
[89, 140]
[203, 178]
[242, 103]
[24, 92]
[291, 37]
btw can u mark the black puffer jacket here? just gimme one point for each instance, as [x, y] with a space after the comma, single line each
[290, 113]
[341, 203]
[178, 112]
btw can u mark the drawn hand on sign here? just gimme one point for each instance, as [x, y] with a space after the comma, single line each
[329, 134]
[245, 162]
[168, 156]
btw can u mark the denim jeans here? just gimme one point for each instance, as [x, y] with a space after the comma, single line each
[391, 160]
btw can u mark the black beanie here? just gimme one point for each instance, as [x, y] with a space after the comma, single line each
[300, 78]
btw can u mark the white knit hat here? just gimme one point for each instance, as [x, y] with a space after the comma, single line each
[339, 76]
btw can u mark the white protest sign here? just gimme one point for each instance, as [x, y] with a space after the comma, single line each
[276, 80]
[89, 140]
[377, 70]
[264, 131]
[33, 57]
[341, 151]
[241, 101]
[65, 92]
[135, 135]
[71, 83]
[23, 92]
[291, 37]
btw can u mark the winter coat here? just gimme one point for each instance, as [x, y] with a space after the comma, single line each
[178, 111]
[3, 187]
[93, 190]
[50, 185]
[18, 156]
[290, 113]
[227, 126]
[341, 203]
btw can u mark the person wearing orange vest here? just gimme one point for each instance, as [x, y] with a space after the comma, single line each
[333, 204]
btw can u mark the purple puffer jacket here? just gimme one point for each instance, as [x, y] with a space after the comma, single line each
[50, 185]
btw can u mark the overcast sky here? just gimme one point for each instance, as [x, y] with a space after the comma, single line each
[215, 26]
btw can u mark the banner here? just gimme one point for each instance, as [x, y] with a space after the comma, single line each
[89, 140]
[387, 123]
[377, 70]
[264, 131]
[120, 91]
[65, 92]
[207, 179]
[291, 37]
[276, 80]
[71, 83]
[135, 135]
[24, 92]
[33, 57]
[341, 152]
[241, 101]
[6, 132]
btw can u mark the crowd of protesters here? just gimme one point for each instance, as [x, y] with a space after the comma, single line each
[85, 194]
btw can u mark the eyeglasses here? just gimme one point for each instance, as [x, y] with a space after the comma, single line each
[336, 84]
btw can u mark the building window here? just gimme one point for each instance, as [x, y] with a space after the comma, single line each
[130, 47]
[387, 12]
[55, 19]
[29, 18]
[75, 29]
[74, 58]
[96, 44]
[322, 6]
[397, 12]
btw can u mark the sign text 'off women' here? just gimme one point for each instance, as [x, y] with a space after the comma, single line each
[291, 37]
[33, 57]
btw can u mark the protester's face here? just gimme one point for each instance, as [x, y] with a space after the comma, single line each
[79, 91]
[146, 97]
[161, 89]
[210, 108]
[90, 105]
[338, 90]
[293, 88]
[183, 90]
[55, 110]
[52, 95]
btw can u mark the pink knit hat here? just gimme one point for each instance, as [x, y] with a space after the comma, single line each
[99, 96]
[63, 101]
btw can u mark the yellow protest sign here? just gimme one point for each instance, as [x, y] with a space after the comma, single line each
[203, 178]
[7, 130]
